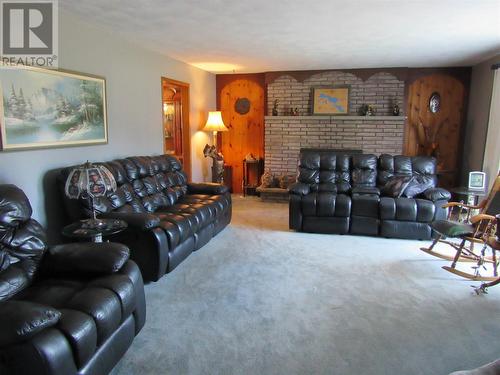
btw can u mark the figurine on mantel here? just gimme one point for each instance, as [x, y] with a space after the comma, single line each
[294, 111]
[275, 107]
[367, 110]
[395, 109]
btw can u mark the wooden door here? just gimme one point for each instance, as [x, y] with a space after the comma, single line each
[441, 130]
[175, 113]
[246, 131]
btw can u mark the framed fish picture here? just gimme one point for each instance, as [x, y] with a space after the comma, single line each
[330, 100]
[43, 108]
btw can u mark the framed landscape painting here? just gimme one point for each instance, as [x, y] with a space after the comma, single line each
[51, 108]
[330, 100]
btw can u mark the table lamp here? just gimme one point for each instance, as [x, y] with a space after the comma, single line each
[215, 124]
[90, 181]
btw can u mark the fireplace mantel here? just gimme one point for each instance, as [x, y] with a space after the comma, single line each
[338, 117]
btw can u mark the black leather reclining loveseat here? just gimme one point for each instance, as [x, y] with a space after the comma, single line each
[67, 309]
[391, 196]
[168, 218]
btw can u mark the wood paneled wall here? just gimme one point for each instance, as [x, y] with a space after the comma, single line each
[444, 128]
[246, 131]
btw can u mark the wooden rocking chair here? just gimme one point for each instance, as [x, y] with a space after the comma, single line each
[468, 230]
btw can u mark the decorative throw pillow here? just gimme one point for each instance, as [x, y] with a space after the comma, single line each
[286, 180]
[418, 185]
[395, 186]
[267, 180]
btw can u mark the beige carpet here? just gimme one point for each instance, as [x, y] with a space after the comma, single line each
[259, 299]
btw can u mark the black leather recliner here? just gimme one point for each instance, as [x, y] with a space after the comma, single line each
[168, 218]
[67, 309]
[340, 193]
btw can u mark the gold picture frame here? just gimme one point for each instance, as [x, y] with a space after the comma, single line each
[333, 100]
[46, 108]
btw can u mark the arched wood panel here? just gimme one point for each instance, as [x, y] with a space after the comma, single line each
[246, 131]
[448, 119]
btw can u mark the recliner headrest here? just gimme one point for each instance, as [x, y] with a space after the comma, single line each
[15, 207]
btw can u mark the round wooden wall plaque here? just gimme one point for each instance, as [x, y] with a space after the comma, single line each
[435, 102]
[242, 106]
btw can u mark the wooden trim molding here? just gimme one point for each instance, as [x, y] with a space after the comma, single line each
[186, 130]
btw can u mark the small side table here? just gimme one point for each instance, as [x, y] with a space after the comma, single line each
[252, 171]
[79, 230]
[228, 177]
[472, 195]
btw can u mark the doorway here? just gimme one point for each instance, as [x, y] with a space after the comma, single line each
[175, 124]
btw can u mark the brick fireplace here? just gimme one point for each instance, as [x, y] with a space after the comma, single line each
[286, 135]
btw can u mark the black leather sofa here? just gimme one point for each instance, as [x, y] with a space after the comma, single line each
[168, 218]
[67, 309]
[342, 193]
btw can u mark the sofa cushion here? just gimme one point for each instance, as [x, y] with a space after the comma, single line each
[365, 205]
[403, 165]
[329, 187]
[308, 204]
[437, 194]
[325, 204]
[364, 172]
[20, 320]
[107, 300]
[406, 209]
[395, 186]
[87, 258]
[426, 210]
[372, 190]
[299, 188]
[417, 185]
[81, 332]
[15, 207]
[21, 251]
[103, 305]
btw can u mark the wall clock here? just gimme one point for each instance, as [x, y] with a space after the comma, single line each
[242, 106]
[435, 102]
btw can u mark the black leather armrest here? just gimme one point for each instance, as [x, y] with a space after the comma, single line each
[139, 220]
[299, 188]
[365, 190]
[437, 194]
[206, 188]
[20, 320]
[81, 257]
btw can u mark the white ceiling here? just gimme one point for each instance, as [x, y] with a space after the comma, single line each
[270, 35]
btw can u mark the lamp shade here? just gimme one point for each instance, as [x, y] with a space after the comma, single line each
[89, 179]
[215, 123]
